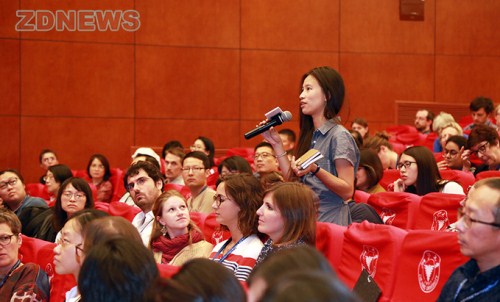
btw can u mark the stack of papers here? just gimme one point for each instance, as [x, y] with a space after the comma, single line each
[308, 158]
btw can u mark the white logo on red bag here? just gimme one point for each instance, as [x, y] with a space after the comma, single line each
[387, 215]
[429, 270]
[440, 221]
[369, 259]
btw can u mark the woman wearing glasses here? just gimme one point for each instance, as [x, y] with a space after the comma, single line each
[55, 176]
[235, 205]
[18, 280]
[419, 174]
[452, 154]
[175, 239]
[68, 253]
[484, 142]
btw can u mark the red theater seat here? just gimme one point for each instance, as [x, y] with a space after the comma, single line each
[167, 270]
[427, 260]
[395, 208]
[465, 179]
[116, 180]
[437, 211]
[389, 176]
[375, 247]
[329, 240]
[37, 190]
[211, 230]
[179, 188]
[487, 174]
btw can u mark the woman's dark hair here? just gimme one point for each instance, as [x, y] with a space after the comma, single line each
[357, 138]
[60, 172]
[235, 163]
[118, 269]
[482, 133]
[373, 166]
[332, 85]
[459, 140]
[85, 216]
[245, 190]
[210, 280]
[209, 147]
[60, 216]
[104, 162]
[428, 177]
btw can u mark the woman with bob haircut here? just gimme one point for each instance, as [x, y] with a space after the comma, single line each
[419, 174]
[55, 176]
[332, 177]
[205, 145]
[233, 165]
[370, 172]
[235, 205]
[175, 238]
[288, 217]
[361, 125]
[99, 173]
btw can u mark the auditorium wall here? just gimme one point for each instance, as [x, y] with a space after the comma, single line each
[213, 68]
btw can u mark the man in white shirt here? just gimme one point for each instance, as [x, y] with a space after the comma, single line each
[144, 182]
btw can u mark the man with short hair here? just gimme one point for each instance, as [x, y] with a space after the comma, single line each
[479, 238]
[265, 161]
[480, 108]
[173, 166]
[47, 158]
[144, 182]
[13, 193]
[195, 170]
[288, 138]
[423, 121]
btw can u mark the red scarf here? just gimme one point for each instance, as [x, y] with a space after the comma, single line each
[171, 247]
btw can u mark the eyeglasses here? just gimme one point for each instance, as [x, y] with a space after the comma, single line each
[194, 169]
[197, 148]
[450, 153]
[468, 220]
[264, 155]
[218, 199]
[139, 182]
[77, 196]
[480, 149]
[406, 164]
[6, 239]
[12, 182]
[48, 177]
[64, 243]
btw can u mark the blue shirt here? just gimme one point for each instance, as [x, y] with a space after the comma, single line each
[30, 201]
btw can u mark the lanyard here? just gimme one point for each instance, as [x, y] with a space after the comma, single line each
[10, 272]
[484, 290]
[224, 256]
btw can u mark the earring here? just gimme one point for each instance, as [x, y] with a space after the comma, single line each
[163, 229]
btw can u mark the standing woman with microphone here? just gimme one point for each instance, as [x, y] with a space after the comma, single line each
[332, 177]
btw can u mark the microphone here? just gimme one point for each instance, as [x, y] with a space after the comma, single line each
[275, 120]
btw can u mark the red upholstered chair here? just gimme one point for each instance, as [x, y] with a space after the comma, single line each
[361, 196]
[116, 180]
[437, 211]
[329, 241]
[211, 230]
[395, 208]
[398, 129]
[179, 188]
[124, 210]
[389, 176]
[410, 138]
[487, 174]
[212, 178]
[375, 247]
[198, 218]
[427, 260]
[37, 190]
[101, 206]
[465, 179]
[167, 270]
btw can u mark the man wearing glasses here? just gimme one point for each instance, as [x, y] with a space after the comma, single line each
[483, 142]
[144, 182]
[195, 170]
[479, 238]
[265, 161]
[13, 194]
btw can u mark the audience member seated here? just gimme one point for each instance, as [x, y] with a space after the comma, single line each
[235, 205]
[173, 166]
[126, 198]
[357, 138]
[423, 121]
[56, 175]
[195, 170]
[265, 161]
[361, 125]
[448, 130]
[144, 152]
[370, 172]
[380, 144]
[419, 174]
[299, 258]
[452, 154]
[288, 216]
[288, 137]
[13, 193]
[19, 281]
[47, 158]
[175, 239]
[104, 228]
[144, 182]
[479, 239]
[170, 145]
[205, 145]
[233, 165]
[68, 253]
[99, 172]
[483, 142]
[118, 269]
[440, 120]
[480, 108]
[74, 195]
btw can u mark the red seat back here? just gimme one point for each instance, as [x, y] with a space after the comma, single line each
[124, 210]
[329, 241]
[374, 247]
[212, 178]
[211, 230]
[37, 190]
[395, 208]
[184, 190]
[116, 180]
[465, 179]
[389, 176]
[427, 260]
[167, 270]
[437, 211]
[487, 174]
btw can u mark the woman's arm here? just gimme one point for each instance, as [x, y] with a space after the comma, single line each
[273, 137]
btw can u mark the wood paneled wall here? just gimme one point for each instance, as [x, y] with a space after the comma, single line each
[213, 68]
